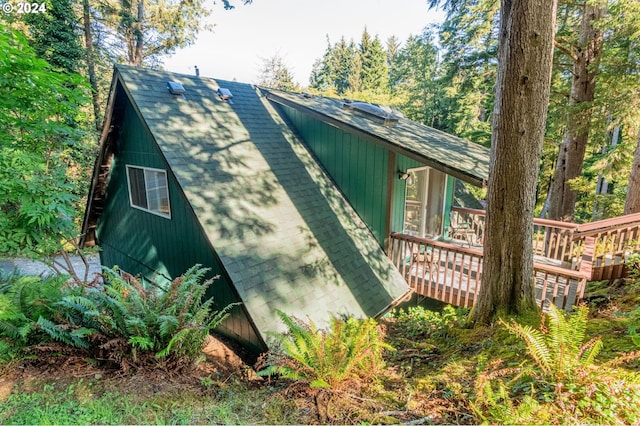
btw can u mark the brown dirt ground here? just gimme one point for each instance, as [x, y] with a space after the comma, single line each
[220, 360]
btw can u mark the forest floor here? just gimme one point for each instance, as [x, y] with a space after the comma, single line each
[431, 378]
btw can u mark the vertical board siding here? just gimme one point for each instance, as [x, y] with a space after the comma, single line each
[448, 203]
[357, 166]
[156, 247]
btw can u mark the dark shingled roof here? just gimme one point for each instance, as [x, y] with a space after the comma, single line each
[285, 235]
[450, 154]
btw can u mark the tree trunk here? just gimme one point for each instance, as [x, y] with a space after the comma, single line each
[602, 185]
[139, 34]
[132, 23]
[632, 204]
[522, 97]
[574, 143]
[91, 65]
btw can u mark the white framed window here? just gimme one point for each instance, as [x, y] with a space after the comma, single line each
[148, 190]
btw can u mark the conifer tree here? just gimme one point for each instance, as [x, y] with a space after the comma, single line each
[374, 73]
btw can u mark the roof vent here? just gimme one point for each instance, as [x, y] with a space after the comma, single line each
[373, 112]
[307, 95]
[225, 95]
[175, 88]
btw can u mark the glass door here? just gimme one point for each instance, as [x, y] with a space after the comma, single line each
[424, 202]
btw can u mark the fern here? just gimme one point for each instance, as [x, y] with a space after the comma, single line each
[171, 325]
[350, 349]
[56, 332]
[560, 351]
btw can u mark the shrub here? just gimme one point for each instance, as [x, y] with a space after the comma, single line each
[420, 322]
[350, 349]
[564, 384]
[633, 264]
[634, 325]
[26, 302]
[119, 321]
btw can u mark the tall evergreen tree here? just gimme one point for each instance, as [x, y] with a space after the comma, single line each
[632, 203]
[55, 35]
[393, 47]
[343, 59]
[323, 72]
[415, 79]
[374, 75]
[585, 57]
[144, 31]
[522, 95]
[469, 37]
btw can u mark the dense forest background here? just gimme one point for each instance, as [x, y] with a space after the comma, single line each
[56, 69]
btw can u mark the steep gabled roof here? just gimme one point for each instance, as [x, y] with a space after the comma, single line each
[286, 236]
[450, 154]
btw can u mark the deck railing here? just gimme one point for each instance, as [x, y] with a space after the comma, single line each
[551, 238]
[453, 274]
[615, 239]
[436, 269]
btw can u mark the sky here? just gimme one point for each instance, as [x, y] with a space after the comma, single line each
[296, 30]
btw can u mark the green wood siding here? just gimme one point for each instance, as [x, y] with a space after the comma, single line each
[136, 240]
[448, 201]
[357, 166]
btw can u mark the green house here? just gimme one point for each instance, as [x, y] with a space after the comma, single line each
[288, 198]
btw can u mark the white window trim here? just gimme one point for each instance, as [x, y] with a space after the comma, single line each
[164, 215]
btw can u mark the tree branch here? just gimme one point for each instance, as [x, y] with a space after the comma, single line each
[568, 52]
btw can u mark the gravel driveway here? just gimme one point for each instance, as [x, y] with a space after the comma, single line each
[31, 267]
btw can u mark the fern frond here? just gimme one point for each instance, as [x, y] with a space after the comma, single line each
[535, 342]
[167, 325]
[176, 340]
[141, 342]
[590, 350]
[57, 333]
[577, 325]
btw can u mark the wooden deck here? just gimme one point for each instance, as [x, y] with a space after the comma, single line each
[453, 274]
[615, 240]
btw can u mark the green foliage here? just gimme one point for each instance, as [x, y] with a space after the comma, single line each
[171, 324]
[561, 351]
[55, 37]
[38, 136]
[414, 79]
[350, 349]
[358, 70]
[420, 322]
[634, 326]
[633, 264]
[50, 406]
[119, 321]
[27, 306]
[564, 381]
[145, 39]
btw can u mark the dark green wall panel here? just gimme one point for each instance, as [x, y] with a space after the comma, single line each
[156, 247]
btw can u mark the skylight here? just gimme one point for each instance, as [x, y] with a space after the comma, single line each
[373, 112]
[225, 94]
[175, 88]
